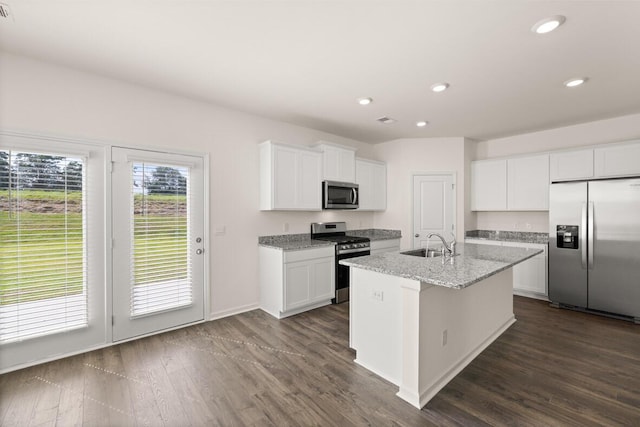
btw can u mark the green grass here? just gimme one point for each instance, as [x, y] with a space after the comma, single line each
[43, 195]
[55, 264]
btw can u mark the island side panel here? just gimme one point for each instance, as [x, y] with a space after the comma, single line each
[471, 318]
[376, 322]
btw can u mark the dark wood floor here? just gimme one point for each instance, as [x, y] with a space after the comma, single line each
[553, 367]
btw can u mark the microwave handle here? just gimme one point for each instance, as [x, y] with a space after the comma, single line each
[355, 196]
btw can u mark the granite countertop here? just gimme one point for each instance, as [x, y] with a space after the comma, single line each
[292, 242]
[376, 234]
[509, 236]
[472, 264]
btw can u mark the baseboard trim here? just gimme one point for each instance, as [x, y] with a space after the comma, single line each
[233, 311]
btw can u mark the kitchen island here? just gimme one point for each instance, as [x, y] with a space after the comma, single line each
[417, 322]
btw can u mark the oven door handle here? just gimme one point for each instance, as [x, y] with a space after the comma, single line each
[353, 251]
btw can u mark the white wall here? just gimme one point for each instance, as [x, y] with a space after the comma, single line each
[43, 98]
[597, 132]
[406, 157]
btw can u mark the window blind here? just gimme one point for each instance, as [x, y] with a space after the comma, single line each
[161, 268]
[43, 268]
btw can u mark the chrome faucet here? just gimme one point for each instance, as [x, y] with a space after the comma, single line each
[449, 248]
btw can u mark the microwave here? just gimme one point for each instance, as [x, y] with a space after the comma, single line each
[339, 195]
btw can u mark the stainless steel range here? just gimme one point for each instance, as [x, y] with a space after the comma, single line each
[346, 247]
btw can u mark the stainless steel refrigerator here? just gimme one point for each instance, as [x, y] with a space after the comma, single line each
[594, 246]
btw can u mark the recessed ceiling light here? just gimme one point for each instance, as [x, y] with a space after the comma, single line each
[365, 101]
[422, 123]
[386, 120]
[575, 82]
[440, 87]
[548, 24]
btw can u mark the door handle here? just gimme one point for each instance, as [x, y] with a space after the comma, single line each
[416, 235]
[355, 196]
[583, 236]
[590, 237]
[199, 251]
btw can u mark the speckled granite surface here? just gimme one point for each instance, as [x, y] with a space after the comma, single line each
[472, 264]
[509, 236]
[292, 242]
[376, 234]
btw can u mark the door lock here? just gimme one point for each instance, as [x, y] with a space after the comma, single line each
[198, 239]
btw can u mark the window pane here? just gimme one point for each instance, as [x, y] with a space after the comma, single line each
[161, 275]
[42, 245]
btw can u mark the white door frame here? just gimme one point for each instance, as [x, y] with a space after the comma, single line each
[104, 332]
[128, 326]
[453, 202]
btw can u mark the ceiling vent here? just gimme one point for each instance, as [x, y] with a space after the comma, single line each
[5, 13]
[386, 120]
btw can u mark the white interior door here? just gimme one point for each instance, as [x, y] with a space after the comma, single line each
[158, 227]
[433, 208]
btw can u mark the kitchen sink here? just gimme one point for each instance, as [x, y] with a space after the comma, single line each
[423, 253]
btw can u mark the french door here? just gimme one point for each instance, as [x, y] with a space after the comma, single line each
[158, 232]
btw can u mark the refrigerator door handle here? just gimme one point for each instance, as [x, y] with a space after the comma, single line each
[590, 237]
[583, 236]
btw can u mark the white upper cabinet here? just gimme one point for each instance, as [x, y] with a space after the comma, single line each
[371, 177]
[290, 177]
[570, 165]
[617, 160]
[528, 183]
[339, 162]
[516, 184]
[489, 185]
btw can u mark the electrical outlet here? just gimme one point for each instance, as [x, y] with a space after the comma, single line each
[444, 337]
[377, 295]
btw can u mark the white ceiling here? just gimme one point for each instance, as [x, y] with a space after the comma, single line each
[305, 62]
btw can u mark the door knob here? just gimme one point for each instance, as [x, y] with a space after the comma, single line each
[199, 251]
[417, 235]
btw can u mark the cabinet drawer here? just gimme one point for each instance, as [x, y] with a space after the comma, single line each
[307, 254]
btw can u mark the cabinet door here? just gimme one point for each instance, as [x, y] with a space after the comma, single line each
[308, 281]
[489, 185]
[571, 165]
[622, 160]
[346, 165]
[530, 276]
[364, 179]
[284, 177]
[372, 180]
[528, 183]
[339, 164]
[379, 178]
[297, 284]
[309, 181]
[322, 280]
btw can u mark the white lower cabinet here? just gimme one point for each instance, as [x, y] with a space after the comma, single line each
[530, 276]
[380, 246]
[295, 281]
